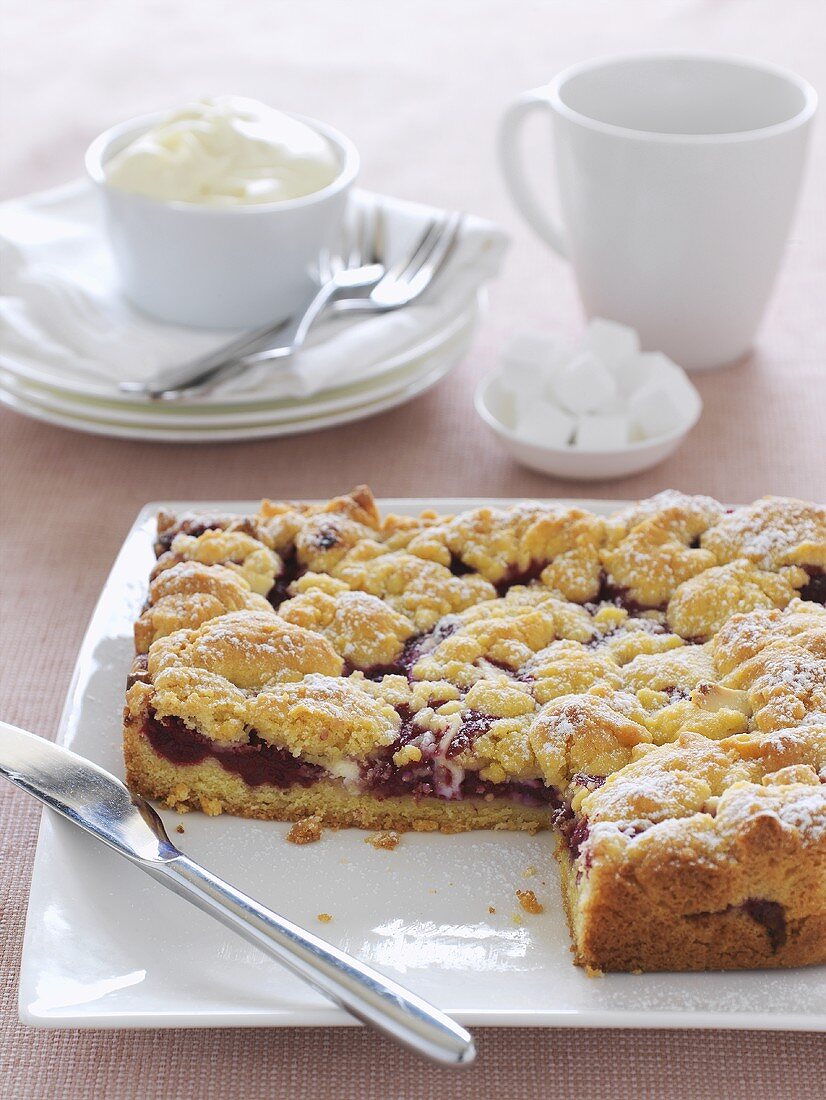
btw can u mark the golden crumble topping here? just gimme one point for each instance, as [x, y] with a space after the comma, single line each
[686, 516]
[559, 543]
[421, 590]
[638, 636]
[583, 734]
[743, 636]
[500, 698]
[786, 680]
[537, 645]
[502, 751]
[322, 718]
[361, 628]
[694, 776]
[703, 605]
[772, 532]
[650, 562]
[567, 667]
[187, 595]
[250, 649]
[676, 670]
[204, 701]
[502, 634]
[236, 550]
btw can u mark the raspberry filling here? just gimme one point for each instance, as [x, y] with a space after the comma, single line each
[436, 775]
[772, 916]
[520, 576]
[258, 762]
[573, 829]
[815, 588]
[383, 780]
[290, 572]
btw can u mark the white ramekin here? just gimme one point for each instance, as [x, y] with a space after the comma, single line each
[229, 267]
[491, 402]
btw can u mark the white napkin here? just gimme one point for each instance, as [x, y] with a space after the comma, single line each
[64, 322]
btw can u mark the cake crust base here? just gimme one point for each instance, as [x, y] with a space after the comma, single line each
[623, 934]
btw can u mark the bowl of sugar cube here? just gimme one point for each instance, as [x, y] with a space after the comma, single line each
[603, 409]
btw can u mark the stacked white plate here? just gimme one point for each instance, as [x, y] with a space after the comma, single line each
[59, 308]
[88, 407]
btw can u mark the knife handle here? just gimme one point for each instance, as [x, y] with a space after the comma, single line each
[362, 991]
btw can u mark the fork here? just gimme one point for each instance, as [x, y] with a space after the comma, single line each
[359, 269]
[399, 286]
[409, 278]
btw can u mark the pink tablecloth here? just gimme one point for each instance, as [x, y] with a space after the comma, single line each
[419, 88]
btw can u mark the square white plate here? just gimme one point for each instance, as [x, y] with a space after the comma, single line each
[106, 946]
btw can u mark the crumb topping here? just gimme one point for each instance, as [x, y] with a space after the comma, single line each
[529, 902]
[249, 649]
[236, 550]
[703, 605]
[189, 594]
[423, 591]
[651, 668]
[307, 830]
[386, 841]
[360, 627]
[651, 562]
[583, 734]
[322, 718]
[772, 532]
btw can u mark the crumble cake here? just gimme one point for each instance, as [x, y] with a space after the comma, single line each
[652, 685]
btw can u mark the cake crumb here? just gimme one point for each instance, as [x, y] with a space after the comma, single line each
[516, 919]
[491, 909]
[528, 901]
[384, 841]
[180, 829]
[305, 831]
[529, 872]
[325, 918]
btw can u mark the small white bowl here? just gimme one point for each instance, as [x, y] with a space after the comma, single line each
[493, 404]
[236, 267]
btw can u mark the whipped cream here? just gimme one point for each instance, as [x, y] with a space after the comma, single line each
[225, 151]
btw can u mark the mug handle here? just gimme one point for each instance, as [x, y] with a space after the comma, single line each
[512, 164]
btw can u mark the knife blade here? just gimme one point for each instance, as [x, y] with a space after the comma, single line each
[98, 802]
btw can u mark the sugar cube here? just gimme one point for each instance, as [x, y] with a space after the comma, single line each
[528, 360]
[655, 409]
[611, 342]
[584, 384]
[601, 433]
[539, 421]
[521, 377]
[633, 373]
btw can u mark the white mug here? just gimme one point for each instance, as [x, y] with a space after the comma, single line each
[678, 176]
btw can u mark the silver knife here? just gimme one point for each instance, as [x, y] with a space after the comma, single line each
[98, 802]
